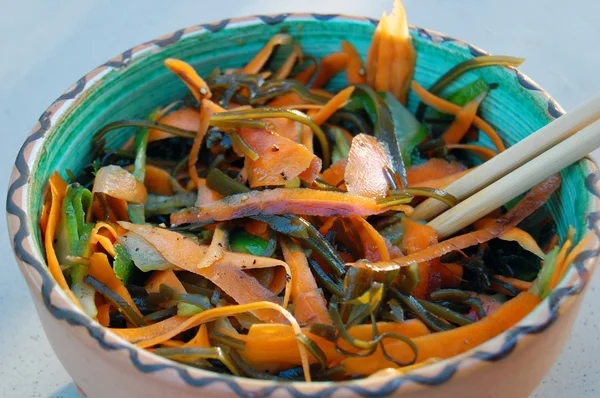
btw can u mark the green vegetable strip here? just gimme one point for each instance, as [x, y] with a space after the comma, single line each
[145, 124]
[429, 319]
[453, 295]
[190, 353]
[248, 370]
[445, 313]
[453, 74]
[438, 194]
[119, 302]
[242, 146]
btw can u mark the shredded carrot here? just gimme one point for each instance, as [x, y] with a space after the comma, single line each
[391, 57]
[227, 273]
[331, 65]
[106, 241]
[448, 343]
[355, 70]
[333, 105]
[200, 339]
[205, 194]
[117, 182]
[451, 274]
[524, 239]
[158, 181]
[280, 159]
[334, 175]
[564, 266]
[559, 266]
[285, 69]
[443, 182]
[283, 201]
[184, 118]
[205, 114]
[216, 249]
[148, 336]
[374, 245]
[534, 199]
[103, 315]
[190, 77]
[484, 153]
[276, 344]
[261, 58]
[309, 303]
[518, 284]
[431, 170]
[58, 189]
[166, 277]
[448, 107]
[45, 214]
[416, 238]
[462, 122]
[100, 269]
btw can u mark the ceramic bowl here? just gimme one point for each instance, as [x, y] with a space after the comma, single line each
[135, 82]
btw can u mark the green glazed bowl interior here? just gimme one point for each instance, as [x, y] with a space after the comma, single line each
[135, 83]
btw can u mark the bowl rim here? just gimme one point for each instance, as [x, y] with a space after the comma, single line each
[56, 302]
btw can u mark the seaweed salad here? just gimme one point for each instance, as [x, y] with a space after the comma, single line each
[262, 225]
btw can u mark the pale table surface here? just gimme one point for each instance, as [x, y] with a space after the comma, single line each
[45, 46]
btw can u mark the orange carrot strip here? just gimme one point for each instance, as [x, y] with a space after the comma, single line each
[481, 151]
[327, 225]
[416, 238]
[190, 77]
[200, 339]
[448, 343]
[374, 245]
[331, 65]
[166, 277]
[391, 57]
[184, 118]
[431, 170]
[524, 240]
[261, 58]
[282, 347]
[159, 181]
[534, 199]
[309, 303]
[441, 183]
[205, 194]
[148, 336]
[518, 284]
[45, 214]
[227, 273]
[462, 122]
[100, 269]
[560, 259]
[286, 101]
[103, 315]
[117, 182]
[448, 107]
[280, 159]
[367, 159]
[355, 70]
[334, 175]
[285, 69]
[205, 114]
[451, 274]
[216, 249]
[58, 189]
[283, 201]
[562, 270]
[333, 105]
[117, 208]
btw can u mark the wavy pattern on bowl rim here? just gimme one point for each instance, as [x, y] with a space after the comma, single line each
[33, 264]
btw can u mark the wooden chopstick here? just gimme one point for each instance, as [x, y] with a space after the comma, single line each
[515, 156]
[518, 181]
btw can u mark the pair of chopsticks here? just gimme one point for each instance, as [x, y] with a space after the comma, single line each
[512, 172]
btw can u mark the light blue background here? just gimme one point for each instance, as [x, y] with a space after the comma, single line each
[45, 46]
